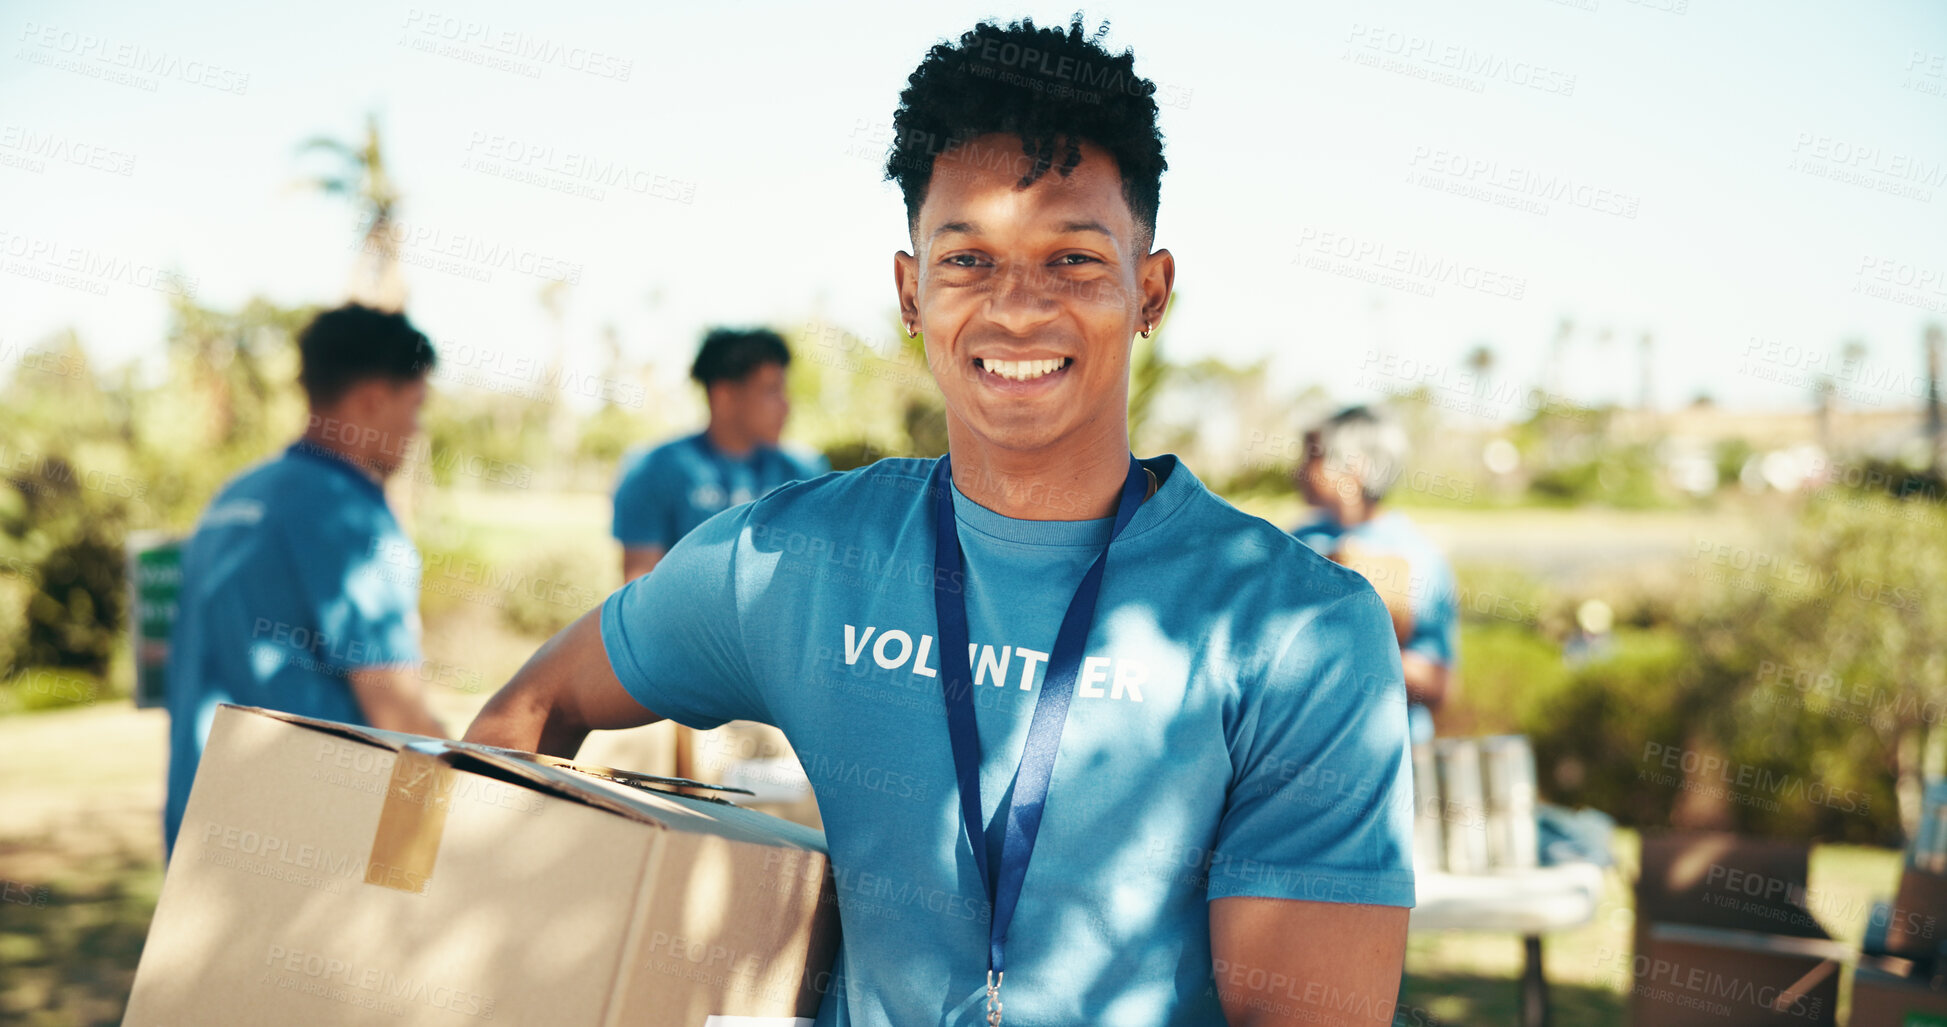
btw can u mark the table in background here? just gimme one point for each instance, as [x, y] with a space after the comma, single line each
[1527, 902]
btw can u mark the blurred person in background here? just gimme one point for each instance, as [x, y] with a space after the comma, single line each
[667, 491]
[1352, 461]
[299, 590]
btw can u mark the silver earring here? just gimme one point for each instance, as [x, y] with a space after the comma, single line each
[1147, 328]
[910, 333]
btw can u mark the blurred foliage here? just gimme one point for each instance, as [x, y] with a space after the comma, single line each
[1797, 678]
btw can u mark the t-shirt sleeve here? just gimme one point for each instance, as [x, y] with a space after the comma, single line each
[675, 637]
[1321, 800]
[360, 579]
[645, 505]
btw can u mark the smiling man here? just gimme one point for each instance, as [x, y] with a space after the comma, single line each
[1091, 746]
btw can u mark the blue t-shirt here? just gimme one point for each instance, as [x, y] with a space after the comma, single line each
[1235, 730]
[1430, 588]
[665, 493]
[297, 575]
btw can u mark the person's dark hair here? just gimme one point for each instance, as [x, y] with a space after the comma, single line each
[730, 354]
[1054, 89]
[355, 343]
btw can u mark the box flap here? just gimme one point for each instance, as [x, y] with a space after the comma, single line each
[552, 776]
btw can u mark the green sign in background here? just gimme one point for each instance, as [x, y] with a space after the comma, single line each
[155, 576]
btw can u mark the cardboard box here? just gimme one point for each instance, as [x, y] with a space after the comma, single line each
[1723, 938]
[1881, 999]
[328, 874]
[1913, 924]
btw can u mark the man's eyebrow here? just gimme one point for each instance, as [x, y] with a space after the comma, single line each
[969, 228]
[1087, 226]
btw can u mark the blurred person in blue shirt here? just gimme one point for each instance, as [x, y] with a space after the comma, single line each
[299, 590]
[665, 492]
[1352, 461]
[1228, 799]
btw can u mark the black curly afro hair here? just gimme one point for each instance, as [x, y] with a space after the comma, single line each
[1054, 89]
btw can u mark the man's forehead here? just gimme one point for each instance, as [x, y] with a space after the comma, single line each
[976, 188]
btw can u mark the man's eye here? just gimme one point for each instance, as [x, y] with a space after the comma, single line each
[1072, 259]
[962, 260]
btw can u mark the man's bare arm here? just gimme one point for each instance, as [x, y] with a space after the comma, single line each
[565, 690]
[639, 560]
[1285, 961]
[394, 698]
[1426, 679]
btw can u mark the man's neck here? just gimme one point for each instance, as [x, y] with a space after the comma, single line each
[1063, 482]
[727, 441]
[317, 438]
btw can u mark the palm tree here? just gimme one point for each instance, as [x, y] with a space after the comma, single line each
[1936, 434]
[360, 175]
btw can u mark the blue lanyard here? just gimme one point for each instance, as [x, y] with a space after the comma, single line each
[1023, 813]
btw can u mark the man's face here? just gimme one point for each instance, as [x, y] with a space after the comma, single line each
[391, 408]
[758, 403]
[1030, 298]
[1323, 485]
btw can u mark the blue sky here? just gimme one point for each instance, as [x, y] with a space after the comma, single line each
[1361, 192]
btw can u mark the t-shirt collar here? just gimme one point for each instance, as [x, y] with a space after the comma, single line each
[1174, 489]
[332, 458]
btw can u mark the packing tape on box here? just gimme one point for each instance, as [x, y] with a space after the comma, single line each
[412, 820]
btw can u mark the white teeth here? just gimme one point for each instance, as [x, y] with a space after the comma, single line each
[1023, 370]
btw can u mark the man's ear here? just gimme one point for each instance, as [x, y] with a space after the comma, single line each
[905, 279]
[1158, 284]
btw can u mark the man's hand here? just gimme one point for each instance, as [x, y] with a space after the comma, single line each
[1390, 576]
[565, 690]
[394, 698]
[1427, 680]
[1286, 961]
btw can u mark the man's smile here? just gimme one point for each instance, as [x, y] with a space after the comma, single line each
[1012, 374]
